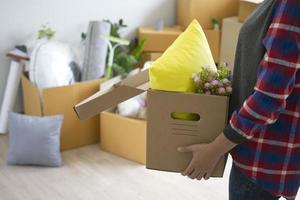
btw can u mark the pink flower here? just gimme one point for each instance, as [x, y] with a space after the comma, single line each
[229, 89]
[197, 79]
[225, 81]
[221, 90]
[215, 82]
[207, 85]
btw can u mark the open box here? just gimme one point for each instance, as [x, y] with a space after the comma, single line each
[123, 136]
[165, 134]
[60, 100]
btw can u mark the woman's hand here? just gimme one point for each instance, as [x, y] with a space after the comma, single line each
[206, 157]
[204, 161]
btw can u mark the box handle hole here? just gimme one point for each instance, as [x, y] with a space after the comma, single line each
[186, 116]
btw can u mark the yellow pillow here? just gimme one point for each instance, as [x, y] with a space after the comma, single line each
[187, 55]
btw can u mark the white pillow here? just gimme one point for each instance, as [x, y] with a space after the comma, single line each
[50, 64]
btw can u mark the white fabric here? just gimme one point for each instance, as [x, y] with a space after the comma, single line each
[50, 64]
[134, 107]
[10, 94]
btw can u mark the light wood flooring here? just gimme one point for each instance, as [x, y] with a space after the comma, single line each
[91, 174]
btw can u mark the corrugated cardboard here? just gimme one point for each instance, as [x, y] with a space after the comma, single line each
[123, 136]
[231, 29]
[122, 91]
[214, 39]
[165, 134]
[203, 10]
[149, 56]
[158, 41]
[60, 100]
[247, 7]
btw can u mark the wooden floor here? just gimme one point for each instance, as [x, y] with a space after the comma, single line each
[91, 174]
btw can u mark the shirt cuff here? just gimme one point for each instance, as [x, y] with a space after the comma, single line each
[233, 135]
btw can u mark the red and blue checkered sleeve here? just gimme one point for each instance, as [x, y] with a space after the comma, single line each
[276, 74]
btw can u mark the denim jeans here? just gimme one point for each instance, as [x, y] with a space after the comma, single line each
[241, 188]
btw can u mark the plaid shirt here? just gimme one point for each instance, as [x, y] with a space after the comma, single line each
[270, 117]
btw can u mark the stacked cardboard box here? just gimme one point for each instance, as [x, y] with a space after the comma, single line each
[157, 41]
[60, 100]
[148, 56]
[247, 7]
[203, 11]
[231, 29]
[164, 134]
[214, 40]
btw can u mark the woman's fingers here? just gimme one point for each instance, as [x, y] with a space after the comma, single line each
[194, 174]
[200, 176]
[189, 169]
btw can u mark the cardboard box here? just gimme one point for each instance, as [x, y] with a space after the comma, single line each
[148, 56]
[60, 100]
[214, 39]
[125, 137]
[158, 41]
[203, 10]
[161, 41]
[151, 56]
[164, 134]
[247, 7]
[230, 33]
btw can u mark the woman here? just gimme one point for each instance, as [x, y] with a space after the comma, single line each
[263, 135]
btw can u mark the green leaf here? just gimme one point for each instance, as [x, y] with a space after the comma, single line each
[119, 70]
[138, 50]
[45, 32]
[120, 41]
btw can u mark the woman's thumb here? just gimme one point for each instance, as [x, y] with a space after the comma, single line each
[185, 149]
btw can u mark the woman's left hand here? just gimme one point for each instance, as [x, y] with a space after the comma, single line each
[204, 161]
[206, 157]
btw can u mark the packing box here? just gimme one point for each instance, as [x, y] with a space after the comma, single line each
[149, 56]
[230, 32]
[214, 40]
[125, 137]
[165, 134]
[60, 100]
[158, 41]
[203, 10]
[247, 7]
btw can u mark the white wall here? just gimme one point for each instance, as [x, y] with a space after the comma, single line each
[21, 19]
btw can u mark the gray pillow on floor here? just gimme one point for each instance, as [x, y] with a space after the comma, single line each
[34, 140]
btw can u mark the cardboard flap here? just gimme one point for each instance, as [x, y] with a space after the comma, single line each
[136, 80]
[122, 91]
